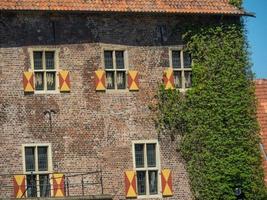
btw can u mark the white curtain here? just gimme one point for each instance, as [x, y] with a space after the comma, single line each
[50, 79]
[39, 79]
[110, 80]
[120, 79]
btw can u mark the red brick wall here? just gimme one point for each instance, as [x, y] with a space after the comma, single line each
[90, 130]
[261, 94]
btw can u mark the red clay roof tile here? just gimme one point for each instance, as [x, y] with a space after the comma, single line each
[164, 6]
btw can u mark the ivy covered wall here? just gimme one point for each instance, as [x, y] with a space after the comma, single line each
[216, 119]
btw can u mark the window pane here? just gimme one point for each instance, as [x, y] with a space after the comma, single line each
[42, 159]
[51, 80]
[139, 155]
[49, 60]
[108, 59]
[39, 81]
[153, 182]
[29, 159]
[44, 185]
[121, 80]
[187, 60]
[176, 60]
[178, 79]
[188, 79]
[110, 80]
[151, 155]
[31, 185]
[119, 59]
[37, 60]
[141, 182]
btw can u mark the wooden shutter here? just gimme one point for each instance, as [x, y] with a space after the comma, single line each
[19, 186]
[28, 82]
[133, 80]
[64, 81]
[166, 182]
[168, 79]
[100, 80]
[130, 184]
[58, 185]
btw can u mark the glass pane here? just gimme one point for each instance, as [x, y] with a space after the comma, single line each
[29, 159]
[110, 80]
[141, 182]
[188, 79]
[31, 186]
[39, 81]
[44, 185]
[176, 60]
[51, 80]
[151, 155]
[37, 60]
[121, 80]
[49, 60]
[139, 155]
[178, 79]
[108, 59]
[42, 159]
[119, 59]
[153, 182]
[187, 60]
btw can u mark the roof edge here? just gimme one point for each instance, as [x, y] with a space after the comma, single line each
[241, 13]
[260, 81]
[249, 14]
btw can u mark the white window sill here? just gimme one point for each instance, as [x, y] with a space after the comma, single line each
[156, 196]
[117, 91]
[38, 172]
[46, 92]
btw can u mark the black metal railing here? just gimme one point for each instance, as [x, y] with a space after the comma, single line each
[75, 184]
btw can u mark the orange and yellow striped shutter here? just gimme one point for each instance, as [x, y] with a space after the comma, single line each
[166, 182]
[100, 80]
[130, 184]
[168, 79]
[19, 186]
[133, 80]
[28, 82]
[64, 81]
[58, 185]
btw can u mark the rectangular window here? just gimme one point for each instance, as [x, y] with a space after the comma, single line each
[31, 185]
[153, 183]
[139, 155]
[181, 62]
[114, 62]
[151, 155]
[37, 170]
[44, 182]
[141, 182]
[147, 168]
[45, 70]
[42, 159]
[29, 159]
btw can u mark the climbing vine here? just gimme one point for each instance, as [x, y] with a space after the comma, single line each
[237, 3]
[216, 119]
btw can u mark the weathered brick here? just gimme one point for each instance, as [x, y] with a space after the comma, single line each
[91, 130]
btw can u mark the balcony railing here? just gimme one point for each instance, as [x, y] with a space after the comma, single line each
[64, 184]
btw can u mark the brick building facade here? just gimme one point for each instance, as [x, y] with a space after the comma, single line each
[261, 94]
[83, 129]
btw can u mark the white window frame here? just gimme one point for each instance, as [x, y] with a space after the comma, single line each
[56, 62]
[182, 69]
[145, 168]
[37, 173]
[115, 48]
